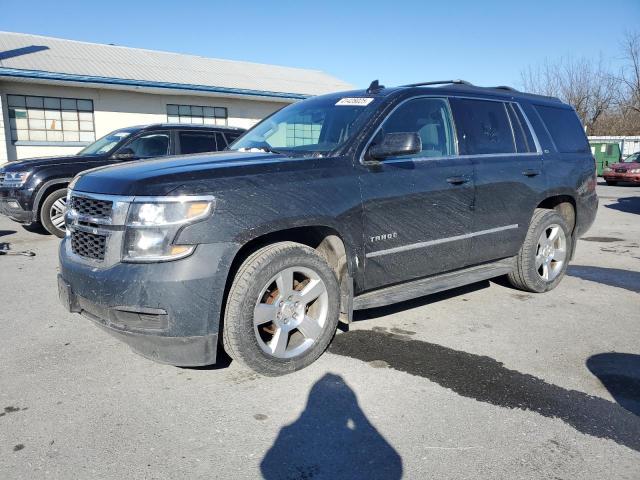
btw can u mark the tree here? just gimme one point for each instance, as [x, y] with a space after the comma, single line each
[586, 85]
[630, 77]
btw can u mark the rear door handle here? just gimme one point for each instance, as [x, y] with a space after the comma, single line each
[531, 172]
[458, 180]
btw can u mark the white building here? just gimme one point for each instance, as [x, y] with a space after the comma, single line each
[628, 145]
[58, 95]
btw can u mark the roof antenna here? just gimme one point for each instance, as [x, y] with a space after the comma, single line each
[375, 87]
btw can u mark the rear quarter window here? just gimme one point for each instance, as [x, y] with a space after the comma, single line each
[565, 129]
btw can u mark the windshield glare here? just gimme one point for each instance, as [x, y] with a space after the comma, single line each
[317, 125]
[105, 144]
[634, 157]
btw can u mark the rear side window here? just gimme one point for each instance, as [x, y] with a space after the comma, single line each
[199, 142]
[483, 127]
[565, 129]
[521, 133]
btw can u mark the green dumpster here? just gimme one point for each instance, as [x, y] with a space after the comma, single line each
[605, 154]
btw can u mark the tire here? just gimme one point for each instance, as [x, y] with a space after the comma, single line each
[611, 183]
[531, 262]
[50, 213]
[256, 292]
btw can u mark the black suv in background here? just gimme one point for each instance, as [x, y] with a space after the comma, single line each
[35, 190]
[344, 201]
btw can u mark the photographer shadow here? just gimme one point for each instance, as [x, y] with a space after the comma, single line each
[331, 439]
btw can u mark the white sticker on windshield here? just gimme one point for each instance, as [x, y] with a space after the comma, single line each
[355, 101]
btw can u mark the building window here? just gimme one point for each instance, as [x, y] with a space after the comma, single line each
[303, 131]
[196, 114]
[50, 119]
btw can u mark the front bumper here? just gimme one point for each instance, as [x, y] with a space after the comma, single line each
[12, 204]
[622, 177]
[168, 312]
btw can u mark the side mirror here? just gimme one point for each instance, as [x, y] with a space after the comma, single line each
[395, 145]
[125, 154]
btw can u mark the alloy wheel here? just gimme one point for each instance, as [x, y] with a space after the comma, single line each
[57, 211]
[290, 313]
[551, 252]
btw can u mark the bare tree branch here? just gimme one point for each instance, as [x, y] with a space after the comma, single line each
[607, 104]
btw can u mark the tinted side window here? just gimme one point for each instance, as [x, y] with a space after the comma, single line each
[231, 136]
[429, 118]
[521, 133]
[154, 144]
[221, 141]
[565, 129]
[198, 142]
[482, 126]
[525, 127]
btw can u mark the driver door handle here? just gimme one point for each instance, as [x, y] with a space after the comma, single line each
[531, 172]
[458, 180]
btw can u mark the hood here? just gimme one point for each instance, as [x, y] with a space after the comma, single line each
[30, 163]
[181, 175]
[626, 166]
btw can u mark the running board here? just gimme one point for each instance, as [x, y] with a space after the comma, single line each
[435, 284]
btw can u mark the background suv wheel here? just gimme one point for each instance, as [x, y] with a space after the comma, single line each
[52, 212]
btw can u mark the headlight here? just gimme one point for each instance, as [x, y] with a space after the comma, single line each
[15, 179]
[634, 170]
[606, 169]
[152, 227]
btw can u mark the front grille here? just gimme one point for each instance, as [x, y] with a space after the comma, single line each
[621, 170]
[88, 245]
[91, 207]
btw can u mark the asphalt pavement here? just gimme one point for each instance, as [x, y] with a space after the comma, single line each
[481, 382]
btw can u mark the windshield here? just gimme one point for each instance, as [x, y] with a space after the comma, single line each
[105, 144]
[317, 125]
[634, 157]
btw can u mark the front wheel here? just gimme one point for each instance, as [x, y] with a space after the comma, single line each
[52, 212]
[282, 309]
[611, 183]
[544, 255]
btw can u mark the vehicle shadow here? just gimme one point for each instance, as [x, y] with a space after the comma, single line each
[614, 277]
[223, 360]
[487, 380]
[331, 439]
[37, 229]
[392, 309]
[626, 205]
[4, 233]
[620, 375]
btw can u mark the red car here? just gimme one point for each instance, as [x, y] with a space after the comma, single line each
[628, 170]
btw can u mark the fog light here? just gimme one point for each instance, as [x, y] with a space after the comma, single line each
[13, 204]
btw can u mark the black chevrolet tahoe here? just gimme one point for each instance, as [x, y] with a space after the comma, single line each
[34, 191]
[339, 202]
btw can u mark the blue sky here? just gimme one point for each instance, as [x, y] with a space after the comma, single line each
[487, 43]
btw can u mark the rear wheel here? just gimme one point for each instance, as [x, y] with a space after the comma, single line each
[282, 309]
[544, 255]
[52, 212]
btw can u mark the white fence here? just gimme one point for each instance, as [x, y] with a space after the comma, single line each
[628, 145]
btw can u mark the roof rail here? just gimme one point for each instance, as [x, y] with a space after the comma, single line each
[440, 82]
